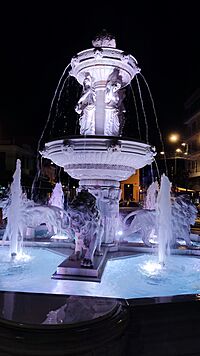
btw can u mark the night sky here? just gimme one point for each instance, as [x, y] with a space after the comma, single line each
[38, 41]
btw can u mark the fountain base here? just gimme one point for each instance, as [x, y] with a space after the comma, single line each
[73, 270]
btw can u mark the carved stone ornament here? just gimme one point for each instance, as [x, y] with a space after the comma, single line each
[115, 147]
[68, 148]
[104, 39]
[98, 53]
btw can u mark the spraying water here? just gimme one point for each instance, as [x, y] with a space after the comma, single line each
[57, 196]
[58, 93]
[164, 219]
[151, 198]
[12, 231]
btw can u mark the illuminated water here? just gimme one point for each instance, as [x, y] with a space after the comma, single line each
[131, 277]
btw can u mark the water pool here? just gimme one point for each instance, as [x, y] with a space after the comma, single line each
[128, 277]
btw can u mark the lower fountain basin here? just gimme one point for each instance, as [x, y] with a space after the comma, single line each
[124, 327]
[135, 276]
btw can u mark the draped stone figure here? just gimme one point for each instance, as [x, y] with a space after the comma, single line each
[114, 108]
[86, 107]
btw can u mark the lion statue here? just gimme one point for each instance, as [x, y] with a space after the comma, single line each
[144, 221]
[32, 216]
[86, 226]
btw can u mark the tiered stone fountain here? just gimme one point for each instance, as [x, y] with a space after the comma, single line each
[100, 158]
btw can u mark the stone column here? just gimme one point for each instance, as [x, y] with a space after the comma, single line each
[100, 108]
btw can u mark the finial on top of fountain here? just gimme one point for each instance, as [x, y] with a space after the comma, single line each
[104, 39]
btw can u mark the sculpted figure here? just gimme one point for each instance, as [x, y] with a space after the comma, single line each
[104, 39]
[85, 222]
[144, 221]
[86, 107]
[184, 213]
[32, 215]
[114, 107]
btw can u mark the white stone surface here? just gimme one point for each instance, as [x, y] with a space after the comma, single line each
[99, 158]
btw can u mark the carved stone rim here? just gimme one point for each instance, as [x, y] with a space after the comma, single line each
[98, 166]
[106, 146]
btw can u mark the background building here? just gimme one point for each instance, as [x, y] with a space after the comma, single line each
[131, 187]
[192, 109]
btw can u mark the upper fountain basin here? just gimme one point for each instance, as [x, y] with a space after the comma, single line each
[100, 62]
[94, 157]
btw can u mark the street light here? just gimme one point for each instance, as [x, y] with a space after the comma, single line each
[180, 151]
[174, 137]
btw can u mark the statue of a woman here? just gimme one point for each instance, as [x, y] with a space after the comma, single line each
[114, 107]
[86, 107]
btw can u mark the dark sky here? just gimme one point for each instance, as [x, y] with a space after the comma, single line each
[38, 40]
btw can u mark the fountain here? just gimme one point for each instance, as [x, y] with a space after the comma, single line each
[101, 264]
[100, 158]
